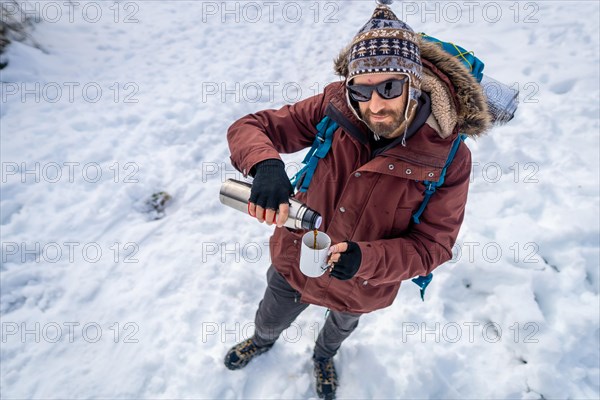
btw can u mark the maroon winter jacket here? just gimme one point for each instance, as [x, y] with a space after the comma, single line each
[369, 196]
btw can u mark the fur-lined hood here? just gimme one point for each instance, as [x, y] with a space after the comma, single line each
[468, 109]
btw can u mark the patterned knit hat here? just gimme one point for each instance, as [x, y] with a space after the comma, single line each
[386, 45]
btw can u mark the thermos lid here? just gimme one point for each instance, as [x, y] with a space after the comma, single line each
[311, 219]
[318, 222]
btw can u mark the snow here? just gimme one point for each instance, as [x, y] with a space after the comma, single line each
[100, 300]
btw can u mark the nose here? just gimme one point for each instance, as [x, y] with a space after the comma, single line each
[376, 104]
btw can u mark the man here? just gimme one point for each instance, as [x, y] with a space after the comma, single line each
[402, 105]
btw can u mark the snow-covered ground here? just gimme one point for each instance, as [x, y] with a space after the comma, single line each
[99, 300]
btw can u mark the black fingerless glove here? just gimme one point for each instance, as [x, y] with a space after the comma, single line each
[271, 186]
[349, 262]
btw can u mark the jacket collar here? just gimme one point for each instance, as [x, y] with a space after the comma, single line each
[425, 147]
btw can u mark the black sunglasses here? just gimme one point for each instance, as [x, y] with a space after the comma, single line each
[389, 89]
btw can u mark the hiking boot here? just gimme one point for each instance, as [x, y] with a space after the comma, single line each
[240, 355]
[326, 378]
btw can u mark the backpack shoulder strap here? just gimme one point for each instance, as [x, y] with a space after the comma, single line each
[430, 188]
[319, 150]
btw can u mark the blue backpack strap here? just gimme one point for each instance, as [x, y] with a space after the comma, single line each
[430, 188]
[422, 282]
[319, 150]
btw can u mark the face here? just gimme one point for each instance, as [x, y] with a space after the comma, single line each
[382, 116]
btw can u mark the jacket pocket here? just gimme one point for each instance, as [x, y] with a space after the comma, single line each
[364, 297]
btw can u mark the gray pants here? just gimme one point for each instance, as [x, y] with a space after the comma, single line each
[281, 305]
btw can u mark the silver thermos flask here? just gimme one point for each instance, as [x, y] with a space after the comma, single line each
[236, 194]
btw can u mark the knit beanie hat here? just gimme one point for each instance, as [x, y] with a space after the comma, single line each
[386, 45]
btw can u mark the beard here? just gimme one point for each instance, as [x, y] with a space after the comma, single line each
[384, 129]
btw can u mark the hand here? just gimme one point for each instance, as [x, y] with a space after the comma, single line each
[345, 260]
[270, 191]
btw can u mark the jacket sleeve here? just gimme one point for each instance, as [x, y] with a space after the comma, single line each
[265, 134]
[427, 245]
